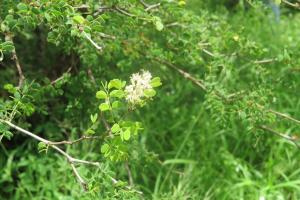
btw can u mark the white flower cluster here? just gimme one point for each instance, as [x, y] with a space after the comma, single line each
[139, 82]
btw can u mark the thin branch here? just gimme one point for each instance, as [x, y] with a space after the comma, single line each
[152, 7]
[124, 12]
[264, 61]
[294, 5]
[8, 37]
[285, 136]
[130, 178]
[104, 35]
[183, 73]
[208, 53]
[71, 160]
[144, 3]
[79, 178]
[61, 77]
[92, 41]
[91, 75]
[75, 141]
[149, 7]
[283, 115]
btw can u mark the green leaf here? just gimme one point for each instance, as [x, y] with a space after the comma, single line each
[149, 93]
[155, 82]
[42, 147]
[126, 135]
[104, 148]
[101, 95]
[115, 128]
[22, 6]
[78, 19]
[116, 104]
[277, 2]
[117, 93]
[158, 23]
[94, 118]
[7, 46]
[104, 107]
[90, 132]
[10, 88]
[115, 83]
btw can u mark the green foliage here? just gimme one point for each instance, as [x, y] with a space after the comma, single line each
[228, 69]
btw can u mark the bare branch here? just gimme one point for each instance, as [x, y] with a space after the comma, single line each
[285, 116]
[122, 11]
[9, 37]
[61, 77]
[264, 61]
[285, 136]
[92, 41]
[76, 141]
[149, 7]
[183, 73]
[208, 53]
[79, 178]
[130, 178]
[294, 5]
[104, 35]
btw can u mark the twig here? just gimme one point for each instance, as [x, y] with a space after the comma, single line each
[75, 141]
[149, 7]
[183, 73]
[104, 35]
[8, 37]
[130, 178]
[120, 10]
[283, 115]
[264, 61]
[294, 5]
[61, 77]
[71, 160]
[91, 75]
[208, 53]
[80, 179]
[92, 41]
[285, 136]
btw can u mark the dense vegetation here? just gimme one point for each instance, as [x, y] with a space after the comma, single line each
[132, 99]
